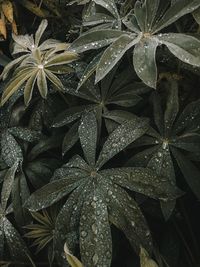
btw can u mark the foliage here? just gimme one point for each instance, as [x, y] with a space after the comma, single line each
[99, 133]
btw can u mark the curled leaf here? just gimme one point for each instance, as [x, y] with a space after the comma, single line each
[145, 260]
[72, 260]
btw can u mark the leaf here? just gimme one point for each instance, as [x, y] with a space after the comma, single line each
[151, 11]
[176, 11]
[89, 70]
[143, 181]
[72, 260]
[94, 40]
[189, 171]
[51, 193]
[109, 5]
[16, 245]
[14, 85]
[145, 260]
[196, 15]
[25, 134]
[28, 90]
[8, 184]
[11, 151]
[71, 137]
[172, 107]
[42, 83]
[184, 47]
[43, 25]
[120, 138]
[144, 61]
[63, 58]
[7, 10]
[95, 233]
[70, 115]
[113, 54]
[3, 30]
[88, 136]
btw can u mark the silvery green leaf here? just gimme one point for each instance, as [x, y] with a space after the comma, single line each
[196, 15]
[8, 184]
[120, 138]
[70, 138]
[43, 25]
[88, 136]
[109, 5]
[130, 22]
[95, 233]
[78, 162]
[151, 7]
[89, 70]
[140, 13]
[176, 11]
[42, 83]
[95, 39]
[10, 149]
[183, 46]
[158, 112]
[51, 193]
[25, 134]
[144, 61]
[113, 54]
[54, 80]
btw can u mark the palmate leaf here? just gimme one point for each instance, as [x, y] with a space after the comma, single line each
[118, 89]
[97, 196]
[145, 24]
[175, 135]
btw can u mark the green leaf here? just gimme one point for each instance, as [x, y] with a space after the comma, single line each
[70, 115]
[95, 39]
[51, 193]
[189, 119]
[25, 134]
[113, 54]
[144, 61]
[172, 107]
[125, 214]
[176, 11]
[196, 15]
[28, 90]
[10, 149]
[8, 184]
[90, 69]
[143, 181]
[42, 83]
[109, 5]
[120, 138]
[88, 136]
[16, 245]
[183, 46]
[190, 172]
[71, 137]
[95, 234]
[43, 25]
